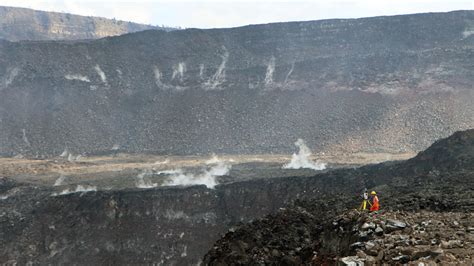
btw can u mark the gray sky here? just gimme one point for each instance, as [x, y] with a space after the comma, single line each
[231, 13]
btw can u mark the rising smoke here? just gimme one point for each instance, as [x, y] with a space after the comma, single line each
[79, 188]
[302, 159]
[70, 157]
[143, 180]
[162, 162]
[215, 167]
[214, 160]
[59, 181]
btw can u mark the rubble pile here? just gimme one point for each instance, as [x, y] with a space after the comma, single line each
[422, 238]
[298, 237]
[288, 237]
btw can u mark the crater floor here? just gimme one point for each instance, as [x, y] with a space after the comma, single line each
[122, 170]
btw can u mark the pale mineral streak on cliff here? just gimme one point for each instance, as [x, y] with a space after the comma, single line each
[77, 77]
[219, 76]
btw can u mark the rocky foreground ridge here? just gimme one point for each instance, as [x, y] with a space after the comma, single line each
[297, 237]
[23, 24]
[383, 84]
[426, 217]
[177, 225]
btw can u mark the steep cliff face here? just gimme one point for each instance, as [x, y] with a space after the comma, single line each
[385, 84]
[169, 226]
[18, 24]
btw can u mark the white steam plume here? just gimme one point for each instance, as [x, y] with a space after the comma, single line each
[71, 158]
[144, 182]
[219, 77]
[270, 70]
[162, 162]
[64, 154]
[302, 160]
[207, 177]
[101, 74]
[78, 189]
[59, 181]
[214, 160]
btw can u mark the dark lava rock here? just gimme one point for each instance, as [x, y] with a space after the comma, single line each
[379, 230]
[6, 184]
[401, 259]
[396, 223]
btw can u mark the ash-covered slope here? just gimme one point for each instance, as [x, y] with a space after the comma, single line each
[17, 24]
[383, 84]
[453, 153]
[179, 225]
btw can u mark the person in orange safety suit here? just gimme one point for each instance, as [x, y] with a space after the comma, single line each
[375, 202]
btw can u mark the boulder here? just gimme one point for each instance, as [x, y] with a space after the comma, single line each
[396, 223]
[367, 226]
[352, 261]
[401, 259]
[379, 231]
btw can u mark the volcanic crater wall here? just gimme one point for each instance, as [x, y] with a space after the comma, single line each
[171, 226]
[383, 84]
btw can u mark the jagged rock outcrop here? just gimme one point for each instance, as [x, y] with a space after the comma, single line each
[341, 85]
[299, 237]
[407, 237]
[17, 24]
